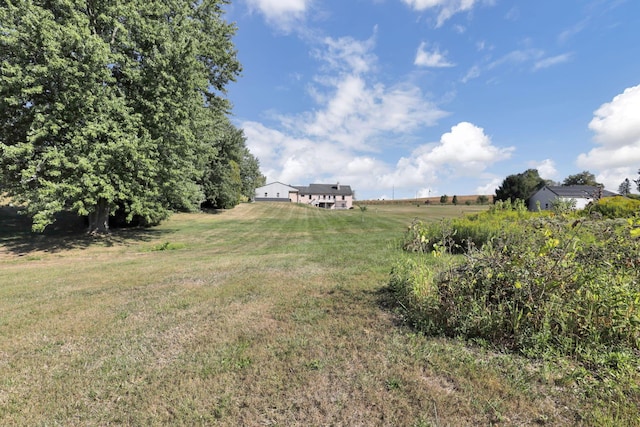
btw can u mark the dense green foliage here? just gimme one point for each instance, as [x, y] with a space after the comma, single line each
[481, 200]
[615, 207]
[111, 105]
[233, 173]
[544, 286]
[582, 178]
[520, 186]
[462, 233]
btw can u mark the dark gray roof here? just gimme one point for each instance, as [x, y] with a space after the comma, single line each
[579, 191]
[335, 189]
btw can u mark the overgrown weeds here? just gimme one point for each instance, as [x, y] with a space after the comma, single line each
[458, 235]
[547, 287]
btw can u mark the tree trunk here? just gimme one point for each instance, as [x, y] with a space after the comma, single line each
[99, 218]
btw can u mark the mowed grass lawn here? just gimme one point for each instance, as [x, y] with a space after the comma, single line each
[266, 314]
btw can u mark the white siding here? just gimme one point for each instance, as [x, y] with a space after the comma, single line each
[276, 190]
[546, 198]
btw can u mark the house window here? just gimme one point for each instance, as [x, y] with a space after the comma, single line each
[342, 197]
[324, 196]
[266, 194]
[277, 194]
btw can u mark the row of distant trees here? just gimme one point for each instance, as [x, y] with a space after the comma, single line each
[480, 200]
[110, 107]
[523, 185]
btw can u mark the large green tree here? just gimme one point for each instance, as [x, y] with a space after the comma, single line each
[109, 104]
[232, 173]
[625, 187]
[582, 178]
[520, 186]
[250, 174]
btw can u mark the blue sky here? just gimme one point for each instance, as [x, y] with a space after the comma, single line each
[406, 98]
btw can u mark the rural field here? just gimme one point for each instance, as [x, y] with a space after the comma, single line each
[263, 315]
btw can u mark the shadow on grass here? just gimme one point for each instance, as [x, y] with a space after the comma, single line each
[68, 232]
[381, 297]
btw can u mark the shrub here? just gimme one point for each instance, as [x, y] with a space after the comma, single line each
[616, 207]
[461, 234]
[482, 200]
[563, 206]
[556, 287]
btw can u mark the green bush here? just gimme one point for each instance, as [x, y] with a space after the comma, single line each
[557, 287]
[616, 207]
[462, 234]
[482, 200]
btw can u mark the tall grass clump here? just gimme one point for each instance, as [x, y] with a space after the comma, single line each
[558, 287]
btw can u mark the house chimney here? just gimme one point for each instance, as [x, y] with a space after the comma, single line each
[338, 185]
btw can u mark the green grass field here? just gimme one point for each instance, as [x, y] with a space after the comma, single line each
[267, 314]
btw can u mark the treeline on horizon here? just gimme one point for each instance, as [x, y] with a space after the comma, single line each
[520, 186]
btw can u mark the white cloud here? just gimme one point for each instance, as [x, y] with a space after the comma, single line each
[616, 123]
[282, 14]
[355, 116]
[546, 169]
[513, 14]
[612, 178]
[551, 61]
[460, 29]
[490, 187]
[530, 57]
[447, 8]
[433, 59]
[572, 31]
[473, 73]
[346, 54]
[466, 151]
[518, 57]
[617, 135]
[354, 109]
[520, 60]
[289, 159]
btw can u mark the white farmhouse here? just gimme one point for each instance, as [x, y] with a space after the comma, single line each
[326, 196]
[582, 194]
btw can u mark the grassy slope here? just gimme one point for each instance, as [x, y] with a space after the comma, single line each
[268, 314]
